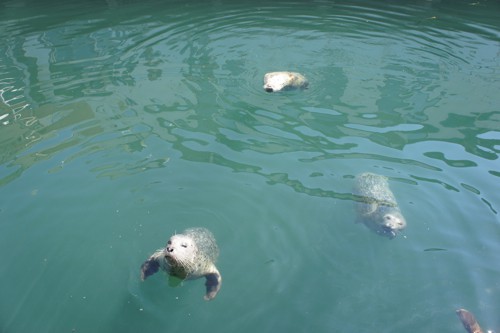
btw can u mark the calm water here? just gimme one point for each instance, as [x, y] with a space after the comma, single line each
[123, 122]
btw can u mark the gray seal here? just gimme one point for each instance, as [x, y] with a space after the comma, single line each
[281, 81]
[377, 207]
[188, 256]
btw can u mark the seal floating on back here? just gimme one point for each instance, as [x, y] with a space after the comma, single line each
[189, 255]
[377, 207]
[279, 81]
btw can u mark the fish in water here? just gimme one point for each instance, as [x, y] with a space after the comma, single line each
[377, 207]
[281, 81]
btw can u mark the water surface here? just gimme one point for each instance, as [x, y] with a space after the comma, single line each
[123, 122]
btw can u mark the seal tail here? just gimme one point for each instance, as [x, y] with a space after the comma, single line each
[469, 322]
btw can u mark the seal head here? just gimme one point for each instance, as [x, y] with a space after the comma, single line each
[179, 254]
[281, 81]
[391, 222]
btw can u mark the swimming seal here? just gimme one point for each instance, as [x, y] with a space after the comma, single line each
[469, 322]
[279, 81]
[377, 207]
[189, 255]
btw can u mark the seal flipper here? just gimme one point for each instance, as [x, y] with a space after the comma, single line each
[213, 283]
[149, 267]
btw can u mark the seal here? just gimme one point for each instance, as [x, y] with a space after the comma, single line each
[280, 81]
[376, 206]
[469, 322]
[188, 256]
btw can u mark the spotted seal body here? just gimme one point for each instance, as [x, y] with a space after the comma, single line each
[189, 255]
[469, 322]
[377, 207]
[279, 81]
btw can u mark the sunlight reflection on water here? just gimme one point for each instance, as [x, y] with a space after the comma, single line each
[124, 121]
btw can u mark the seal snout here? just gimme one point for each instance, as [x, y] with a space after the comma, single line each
[170, 249]
[390, 232]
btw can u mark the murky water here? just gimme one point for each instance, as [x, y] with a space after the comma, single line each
[123, 122]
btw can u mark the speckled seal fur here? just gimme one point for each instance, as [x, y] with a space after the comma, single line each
[377, 207]
[189, 255]
[281, 81]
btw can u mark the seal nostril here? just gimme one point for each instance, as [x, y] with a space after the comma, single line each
[169, 249]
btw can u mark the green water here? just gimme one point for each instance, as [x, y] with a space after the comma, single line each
[122, 122]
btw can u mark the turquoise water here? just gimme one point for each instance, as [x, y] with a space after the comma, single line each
[123, 122]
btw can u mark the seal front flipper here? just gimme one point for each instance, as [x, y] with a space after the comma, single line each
[149, 267]
[213, 283]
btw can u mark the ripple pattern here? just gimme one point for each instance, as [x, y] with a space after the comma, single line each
[159, 106]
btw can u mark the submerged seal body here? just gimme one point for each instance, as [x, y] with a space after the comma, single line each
[377, 207]
[189, 255]
[279, 81]
[469, 322]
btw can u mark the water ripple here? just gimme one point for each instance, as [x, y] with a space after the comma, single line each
[160, 103]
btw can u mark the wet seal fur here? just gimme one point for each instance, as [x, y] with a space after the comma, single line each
[281, 81]
[469, 322]
[188, 256]
[377, 207]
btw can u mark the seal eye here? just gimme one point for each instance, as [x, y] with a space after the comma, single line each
[184, 245]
